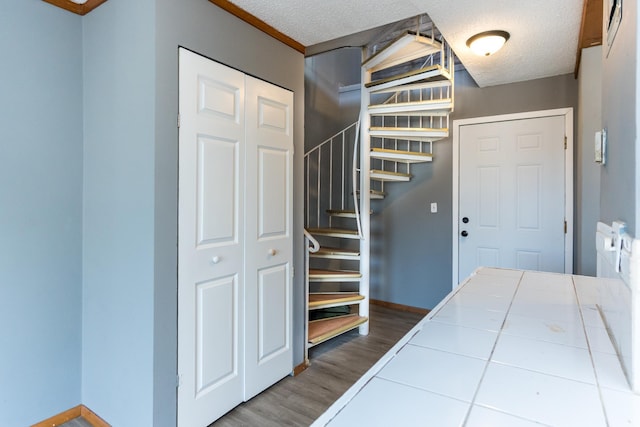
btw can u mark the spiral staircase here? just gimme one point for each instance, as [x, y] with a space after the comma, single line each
[406, 98]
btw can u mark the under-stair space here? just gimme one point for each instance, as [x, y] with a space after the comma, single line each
[406, 97]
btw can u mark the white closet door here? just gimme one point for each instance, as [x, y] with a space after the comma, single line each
[268, 250]
[210, 242]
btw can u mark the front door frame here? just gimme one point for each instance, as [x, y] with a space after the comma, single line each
[568, 167]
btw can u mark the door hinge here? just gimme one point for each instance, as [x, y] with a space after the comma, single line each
[565, 227]
[178, 120]
[177, 381]
[565, 142]
[293, 272]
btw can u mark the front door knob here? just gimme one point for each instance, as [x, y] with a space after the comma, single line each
[464, 233]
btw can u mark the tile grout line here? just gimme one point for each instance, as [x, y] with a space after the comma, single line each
[593, 363]
[414, 387]
[486, 366]
[362, 383]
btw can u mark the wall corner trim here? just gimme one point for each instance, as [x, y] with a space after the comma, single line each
[70, 414]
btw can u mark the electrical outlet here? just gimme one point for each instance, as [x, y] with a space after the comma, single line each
[434, 207]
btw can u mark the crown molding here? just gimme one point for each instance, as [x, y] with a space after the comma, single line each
[258, 23]
[80, 9]
[590, 29]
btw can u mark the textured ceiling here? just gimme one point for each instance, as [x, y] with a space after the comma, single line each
[543, 43]
[544, 33]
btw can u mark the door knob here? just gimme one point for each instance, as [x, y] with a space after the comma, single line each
[465, 220]
[272, 252]
[216, 259]
[464, 233]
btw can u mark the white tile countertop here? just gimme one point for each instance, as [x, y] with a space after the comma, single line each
[505, 348]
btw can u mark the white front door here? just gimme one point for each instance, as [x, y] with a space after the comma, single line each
[512, 195]
[269, 237]
[210, 240]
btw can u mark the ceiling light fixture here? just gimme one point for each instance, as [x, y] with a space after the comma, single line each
[488, 42]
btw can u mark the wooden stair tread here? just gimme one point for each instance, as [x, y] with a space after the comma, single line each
[432, 107]
[413, 86]
[344, 213]
[413, 134]
[329, 298]
[406, 129]
[422, 75]
[327, 252]
[390, 172]
[324, 329]
[374, 194]
[335, 232]
[406, 47]
[390, 176]
[400, 156]
[413, 103]
[389, 151]
[317, 272]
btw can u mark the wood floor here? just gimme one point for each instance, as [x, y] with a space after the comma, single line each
[335, 366]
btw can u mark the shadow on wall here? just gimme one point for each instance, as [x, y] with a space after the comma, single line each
[327, 110]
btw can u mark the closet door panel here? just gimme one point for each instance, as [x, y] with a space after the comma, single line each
[273, 287]
[218, 179]
[268, 248]
[210, 240]
[272, 199]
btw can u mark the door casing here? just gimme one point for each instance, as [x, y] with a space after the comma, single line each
[568, 167]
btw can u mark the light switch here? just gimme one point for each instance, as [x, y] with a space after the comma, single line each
[434, 207]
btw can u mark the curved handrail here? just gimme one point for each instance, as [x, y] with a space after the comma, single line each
[354, 172]
[315, 246]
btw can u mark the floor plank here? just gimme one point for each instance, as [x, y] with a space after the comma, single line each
[335, 366]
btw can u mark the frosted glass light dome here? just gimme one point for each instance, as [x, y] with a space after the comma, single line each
[488, 42]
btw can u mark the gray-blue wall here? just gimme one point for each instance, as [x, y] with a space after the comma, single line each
[619, 177]
[587, 171]
[40, 211]
[326, 110]
[118, 232]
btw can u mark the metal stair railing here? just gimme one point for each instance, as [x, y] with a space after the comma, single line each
[327, 165]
